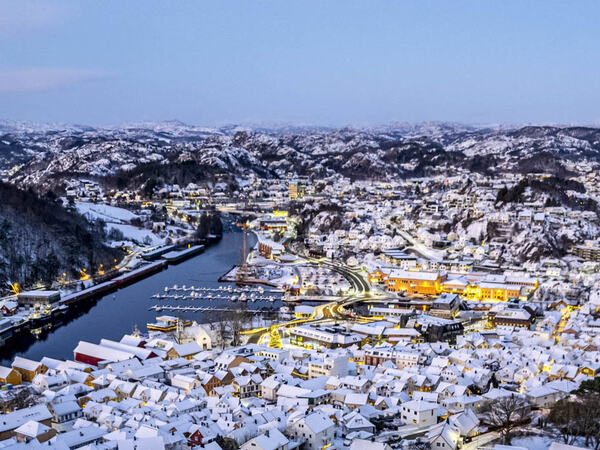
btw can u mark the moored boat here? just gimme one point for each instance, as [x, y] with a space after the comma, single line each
[166, 323]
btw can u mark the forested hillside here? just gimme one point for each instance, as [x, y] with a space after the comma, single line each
[40, 240]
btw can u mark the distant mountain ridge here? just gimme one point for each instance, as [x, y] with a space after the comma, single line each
[41, 157]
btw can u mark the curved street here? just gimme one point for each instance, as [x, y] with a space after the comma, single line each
[327, 311]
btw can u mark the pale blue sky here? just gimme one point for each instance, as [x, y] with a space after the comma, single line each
[314, 62]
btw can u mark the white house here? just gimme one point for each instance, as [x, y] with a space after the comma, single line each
[420, 413]
[315, 431]
[543, 396]
[443, 436]
[272, 439]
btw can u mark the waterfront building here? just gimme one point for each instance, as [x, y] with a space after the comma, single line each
[11, 376]
[28, 368]
[38, 298]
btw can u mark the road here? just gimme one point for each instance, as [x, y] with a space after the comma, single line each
[481, 441]
[422, 249]
[321, 313]
[328, 311]
[359, 284]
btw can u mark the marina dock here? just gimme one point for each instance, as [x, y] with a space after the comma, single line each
[175, 308]
[231, 277]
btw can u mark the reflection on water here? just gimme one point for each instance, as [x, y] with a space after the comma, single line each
[118, 313]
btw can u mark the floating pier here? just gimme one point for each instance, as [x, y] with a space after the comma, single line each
[180, 255]
[158, 252]
[136, 274]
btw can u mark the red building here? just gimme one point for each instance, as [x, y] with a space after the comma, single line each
[9, 308]
[195, 439]
[93, 354]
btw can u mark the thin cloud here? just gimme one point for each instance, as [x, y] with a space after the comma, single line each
[25, 16]
[44, 78]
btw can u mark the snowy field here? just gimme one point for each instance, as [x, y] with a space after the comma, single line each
[135, 234]
[110, 214]
[118, 219]
[533, 442]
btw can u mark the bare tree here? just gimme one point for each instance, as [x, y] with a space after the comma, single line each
[506, 414]
[226, 443]
[18, 399]
[419, 444]
[591, 421]
[228, 325]
[578, 416]
[238, 320]
[218, 324]
[565, 416]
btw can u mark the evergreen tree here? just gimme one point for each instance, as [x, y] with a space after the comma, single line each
[275, 339]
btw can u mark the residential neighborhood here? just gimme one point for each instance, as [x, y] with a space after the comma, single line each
[389, 335]
[299, 225]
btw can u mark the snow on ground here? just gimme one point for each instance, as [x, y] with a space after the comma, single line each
[110, 214]
[288, 277]
[427, 252]
[370, 262]
[118, 219]
[138, 235]
[477, 229]
[533, 442]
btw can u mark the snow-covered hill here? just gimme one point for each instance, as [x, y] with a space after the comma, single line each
[42, 156]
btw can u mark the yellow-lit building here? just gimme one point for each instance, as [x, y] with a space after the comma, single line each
[489, 288]
[425, 283]
[296, 190]
[455, 285]
[377, 276]
[497, 292]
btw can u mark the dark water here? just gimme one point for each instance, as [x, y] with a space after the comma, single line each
[117, 313]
